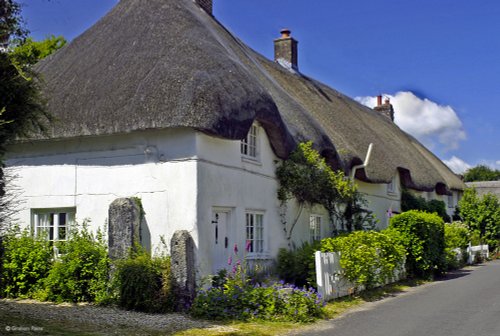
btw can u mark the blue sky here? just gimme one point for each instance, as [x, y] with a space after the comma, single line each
[438, 61]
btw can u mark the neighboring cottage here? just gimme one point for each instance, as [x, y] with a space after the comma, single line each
[484, 187]
[159, 101]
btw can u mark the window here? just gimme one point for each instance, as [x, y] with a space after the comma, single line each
[53, 223]
[450, 201]
[249, 144]
[391, 186]
[314, 228]
[255, 232]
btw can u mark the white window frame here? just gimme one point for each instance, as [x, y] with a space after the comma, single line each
[315, 225]
[249, 147]
[391, 186]
[450, 201]
[54, 222]
[255, 232]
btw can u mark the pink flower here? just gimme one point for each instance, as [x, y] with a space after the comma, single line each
[235, 249]
[248, 246]
[230, 260]
[238, 262]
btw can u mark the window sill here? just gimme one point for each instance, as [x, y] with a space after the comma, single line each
[258, 256]
[252, 160]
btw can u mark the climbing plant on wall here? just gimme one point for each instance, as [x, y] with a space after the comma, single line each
[307, 177]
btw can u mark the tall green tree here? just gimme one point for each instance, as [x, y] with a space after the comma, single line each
[22, 108]
[482, 215]
[481, 173]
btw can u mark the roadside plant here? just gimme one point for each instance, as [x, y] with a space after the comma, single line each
[25, 262]
[422, 235]
[368, 258]
[456, 236]
[240, 297]
[80, 273]
[143, 283]
[297, 266]
[482, 215]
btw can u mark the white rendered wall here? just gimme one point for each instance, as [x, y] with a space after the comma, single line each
[90, 173]
[380, 201]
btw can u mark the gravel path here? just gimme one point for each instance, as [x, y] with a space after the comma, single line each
[104, 317]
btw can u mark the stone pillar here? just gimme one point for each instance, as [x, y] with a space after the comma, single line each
[183, 269]
[123, 227]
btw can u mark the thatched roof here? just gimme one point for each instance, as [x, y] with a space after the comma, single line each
[156, 64]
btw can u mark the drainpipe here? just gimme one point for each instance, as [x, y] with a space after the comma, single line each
[367, 160]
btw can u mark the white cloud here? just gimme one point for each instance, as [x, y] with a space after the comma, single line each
[458, 165]
[433, 124]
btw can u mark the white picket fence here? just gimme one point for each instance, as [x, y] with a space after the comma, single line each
[330, 280]
[472, 252]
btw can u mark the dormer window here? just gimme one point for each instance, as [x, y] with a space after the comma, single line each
[249, 144]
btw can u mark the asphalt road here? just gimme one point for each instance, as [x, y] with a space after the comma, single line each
[466, 303]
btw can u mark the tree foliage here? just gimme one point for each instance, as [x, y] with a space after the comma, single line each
[422, 235]
[307, 177]
[11, 27]
[481, 173]
[482, 215]
[412, 202]
[29, 52]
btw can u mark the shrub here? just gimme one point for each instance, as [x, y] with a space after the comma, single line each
[144, 283]
[456, 235]
[422, 235]
[367, 257]
[239, 299]
[26, 261]
[81, 273]
[412, 202]
[297, 266]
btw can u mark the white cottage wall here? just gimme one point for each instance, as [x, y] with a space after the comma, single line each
[382, 200]
[236, 184]
[89, 173]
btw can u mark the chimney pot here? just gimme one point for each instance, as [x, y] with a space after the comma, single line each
[285, 33]
[379, 100]
[387, 101]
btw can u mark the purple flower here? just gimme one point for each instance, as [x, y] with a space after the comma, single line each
[248, 245]
[238, 262]
[230, 260]
[235, 249]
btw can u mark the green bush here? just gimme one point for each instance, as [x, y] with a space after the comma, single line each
[456, 236]
[239, 299]
[297, 266]
[25, 262]
[422, 235]
[367, 257]
[81, 273]
[144, 283]
[412, 202]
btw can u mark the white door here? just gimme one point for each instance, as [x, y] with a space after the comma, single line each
[220, 239]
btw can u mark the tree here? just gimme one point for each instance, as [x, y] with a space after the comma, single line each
[22, 107]
[29, 52]
[481, 173]
[482, 215]
[307, 177]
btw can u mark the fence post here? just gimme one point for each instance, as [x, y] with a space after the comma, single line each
[319, 273]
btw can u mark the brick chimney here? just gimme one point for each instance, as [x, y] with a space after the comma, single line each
[207, 5]
[285, 50]
[386, 108]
